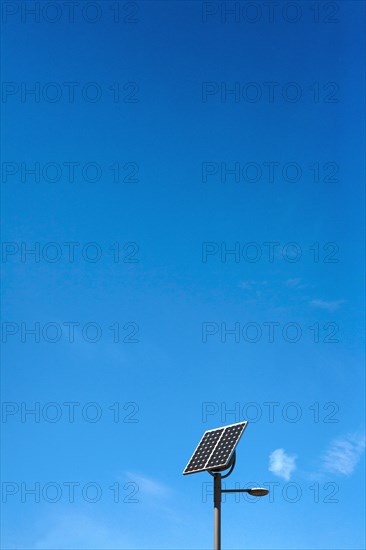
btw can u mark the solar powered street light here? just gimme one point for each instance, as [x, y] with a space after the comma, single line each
[215, 453]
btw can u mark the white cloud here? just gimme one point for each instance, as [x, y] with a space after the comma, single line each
[327, 305]
[343, 454]
[282, 464]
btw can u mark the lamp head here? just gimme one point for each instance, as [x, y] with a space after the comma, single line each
[258, 492]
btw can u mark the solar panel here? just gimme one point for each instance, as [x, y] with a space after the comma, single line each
[215, 449]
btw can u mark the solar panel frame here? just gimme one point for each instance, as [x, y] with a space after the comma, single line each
[204, 464]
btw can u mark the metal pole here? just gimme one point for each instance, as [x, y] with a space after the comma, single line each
[217, 511]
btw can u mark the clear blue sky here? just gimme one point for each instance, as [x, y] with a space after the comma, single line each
[136, 119]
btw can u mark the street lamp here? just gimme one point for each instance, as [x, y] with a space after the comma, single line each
[216, 453]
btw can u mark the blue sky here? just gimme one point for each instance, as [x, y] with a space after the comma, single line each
[117, 170]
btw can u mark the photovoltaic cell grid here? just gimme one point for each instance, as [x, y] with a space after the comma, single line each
[227, 444]
[215, 448]
[203, 451]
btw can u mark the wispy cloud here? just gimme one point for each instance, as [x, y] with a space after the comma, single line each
[293, 283]
[343, 454]
[148, 485]
[246, 285]
[282, 464]
[250, 285]
[327, 305]
[79, 531]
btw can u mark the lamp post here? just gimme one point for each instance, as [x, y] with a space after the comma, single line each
[218, 490]
[214, 454]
